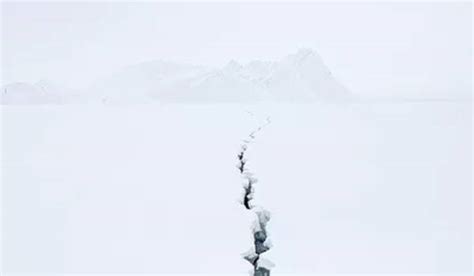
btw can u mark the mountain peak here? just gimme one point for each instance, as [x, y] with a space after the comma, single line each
[233, 65]
[304, 52]
[303, 55]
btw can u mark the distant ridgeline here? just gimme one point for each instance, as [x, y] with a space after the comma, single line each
[299, 77]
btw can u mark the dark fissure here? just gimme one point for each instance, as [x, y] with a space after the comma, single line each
[261, 267]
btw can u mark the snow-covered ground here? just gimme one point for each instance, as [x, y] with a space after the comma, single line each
[353, 188]
[233, 274]
[230, 274]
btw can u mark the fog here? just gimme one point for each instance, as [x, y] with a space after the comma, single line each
[379, 50]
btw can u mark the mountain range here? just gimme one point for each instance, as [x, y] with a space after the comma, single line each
[299, 77]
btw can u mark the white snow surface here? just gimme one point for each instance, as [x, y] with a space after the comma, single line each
[352, 188]
[265, 263]
[296, 78]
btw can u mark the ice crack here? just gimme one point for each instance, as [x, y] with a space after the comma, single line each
[261, 266]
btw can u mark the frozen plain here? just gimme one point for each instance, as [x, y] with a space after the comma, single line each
[353, 188]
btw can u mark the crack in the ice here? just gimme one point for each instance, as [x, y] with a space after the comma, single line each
[261, 267]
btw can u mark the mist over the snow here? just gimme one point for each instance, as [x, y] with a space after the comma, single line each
[377, 50]
[208, 138]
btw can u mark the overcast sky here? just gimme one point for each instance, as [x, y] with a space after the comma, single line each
[405, 49]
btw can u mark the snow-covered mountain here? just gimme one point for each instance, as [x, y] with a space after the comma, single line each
[41, 92]
[299, 77]
[24, 93]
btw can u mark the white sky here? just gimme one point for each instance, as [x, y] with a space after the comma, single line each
[384, 49]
